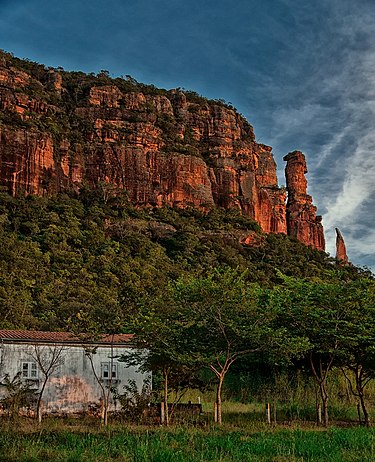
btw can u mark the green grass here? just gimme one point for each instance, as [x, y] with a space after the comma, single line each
[77, 441]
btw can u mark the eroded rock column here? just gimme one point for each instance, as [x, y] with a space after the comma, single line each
[341, 255]
[302, 222]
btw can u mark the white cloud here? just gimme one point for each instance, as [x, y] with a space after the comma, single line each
[333, 121]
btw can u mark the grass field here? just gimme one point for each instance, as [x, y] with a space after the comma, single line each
[84, 441]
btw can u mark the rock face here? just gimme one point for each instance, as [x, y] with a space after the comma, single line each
[341, 255]
[27, 160]
[60, 130]
[302, 221]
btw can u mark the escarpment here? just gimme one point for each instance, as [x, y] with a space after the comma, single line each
[63, 130]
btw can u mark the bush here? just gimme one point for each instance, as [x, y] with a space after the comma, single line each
[18, 395]
[135, 404]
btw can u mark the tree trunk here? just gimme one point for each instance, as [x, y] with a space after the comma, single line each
[318, 414]
[318, 407]
[274, 412]
[320, 375]
[347, 391]
[361, 396]
[105, 412]
[218, 399]
[359, 413]
[166, 411]
[324, 396]
[39, 412]
[364, 410]
[39, 402]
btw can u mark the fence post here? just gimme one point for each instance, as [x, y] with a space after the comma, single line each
[268, 413]
[162, 413]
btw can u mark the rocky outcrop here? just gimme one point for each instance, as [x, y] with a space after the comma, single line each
[106, 96]
[341, 255]
[54, 81]
[62, 130]
[302, 222]
[27, 161]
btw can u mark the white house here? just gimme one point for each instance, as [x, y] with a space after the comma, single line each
[79, 369]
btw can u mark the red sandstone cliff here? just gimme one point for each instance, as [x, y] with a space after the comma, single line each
[61, 130]
[302, 221]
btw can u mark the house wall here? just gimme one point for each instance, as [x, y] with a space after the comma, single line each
[72, 387]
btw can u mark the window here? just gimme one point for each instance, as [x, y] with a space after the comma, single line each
[29, 370]
[105, 374]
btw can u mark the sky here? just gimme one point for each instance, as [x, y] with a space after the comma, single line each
[301, 72]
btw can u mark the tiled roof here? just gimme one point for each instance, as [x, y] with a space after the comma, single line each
[61, 337]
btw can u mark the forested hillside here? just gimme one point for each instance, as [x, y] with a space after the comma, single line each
[97, 253]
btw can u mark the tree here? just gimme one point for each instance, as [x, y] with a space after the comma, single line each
[221, 318]
[227, 318]
[358, 350]
[316, 310]
[159, 339]
[89, 331]
[90, 351]
[209, 323]
[48, 359]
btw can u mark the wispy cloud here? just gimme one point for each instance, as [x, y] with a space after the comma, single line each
[331, 116]
[358, 185]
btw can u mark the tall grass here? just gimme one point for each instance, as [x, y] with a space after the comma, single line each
[81, 442]
[244, 436]
[294, 394]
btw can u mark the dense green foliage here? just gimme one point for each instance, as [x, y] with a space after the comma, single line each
[97, 254]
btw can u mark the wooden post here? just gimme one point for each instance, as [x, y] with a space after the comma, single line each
[199, 399]
[215, 412]
[162, 413]
[268, 413]
[319, 414]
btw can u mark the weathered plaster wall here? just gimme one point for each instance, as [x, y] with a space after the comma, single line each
[72, 387]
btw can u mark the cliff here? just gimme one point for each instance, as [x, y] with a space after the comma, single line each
[62, 130]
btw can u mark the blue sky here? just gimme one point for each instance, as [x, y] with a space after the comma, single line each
[301, 72]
